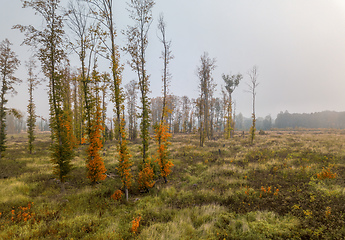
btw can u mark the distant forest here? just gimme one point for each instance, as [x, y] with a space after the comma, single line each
[325, 119]
[284, 120]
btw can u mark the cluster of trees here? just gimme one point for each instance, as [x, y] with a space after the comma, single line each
[78, 95]
[207, 114]
[183, 115]
[78, 98]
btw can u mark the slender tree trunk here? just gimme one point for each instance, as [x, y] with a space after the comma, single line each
[126, 193]
[2, 119]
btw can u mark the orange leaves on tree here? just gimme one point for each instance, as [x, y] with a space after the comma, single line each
[146, 176]
[117, 195]
[124, 167]
[162, 136]
[136, 224]
[95, 165]
[66, 123]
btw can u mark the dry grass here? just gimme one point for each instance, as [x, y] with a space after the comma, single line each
[214, 192]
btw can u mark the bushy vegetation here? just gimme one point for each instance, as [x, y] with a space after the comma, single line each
[287, 185]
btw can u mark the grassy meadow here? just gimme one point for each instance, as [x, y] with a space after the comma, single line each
[287, 185]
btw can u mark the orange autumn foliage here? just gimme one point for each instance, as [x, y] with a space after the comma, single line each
[268, 190]
[162, 136]
[95, 165]
[146, 176]
[326, 173]
[24, 214]
[136, 224]
[66, 124]
[117, 195]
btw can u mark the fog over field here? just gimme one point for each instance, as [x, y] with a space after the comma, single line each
[298, 47]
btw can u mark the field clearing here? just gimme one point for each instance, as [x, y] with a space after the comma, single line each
[287, 185]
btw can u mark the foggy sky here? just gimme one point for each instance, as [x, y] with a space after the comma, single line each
[298, 46]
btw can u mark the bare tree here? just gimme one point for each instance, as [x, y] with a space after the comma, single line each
[166, 56]
[171, 105]
[231, 82]
[186, 106]
[84, 45]
[105, 83]
[131, 93]
[206, 86]
[193, 114]
[78, 110]
[253, 74]
[156, 110]
[177, 114]
[218, 114]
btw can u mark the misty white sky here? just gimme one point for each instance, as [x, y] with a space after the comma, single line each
[298, 46]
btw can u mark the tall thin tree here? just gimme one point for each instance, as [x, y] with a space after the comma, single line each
[8, 65]
[137, 42]
[253, 74]
[231, 82]
[131, 94]
[162, 134]
[206, 86]
[50, 45]
[84, 45]
[167, 57]
[102, 10]
[31, 120]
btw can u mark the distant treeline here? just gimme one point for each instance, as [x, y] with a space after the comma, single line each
[325, 119]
